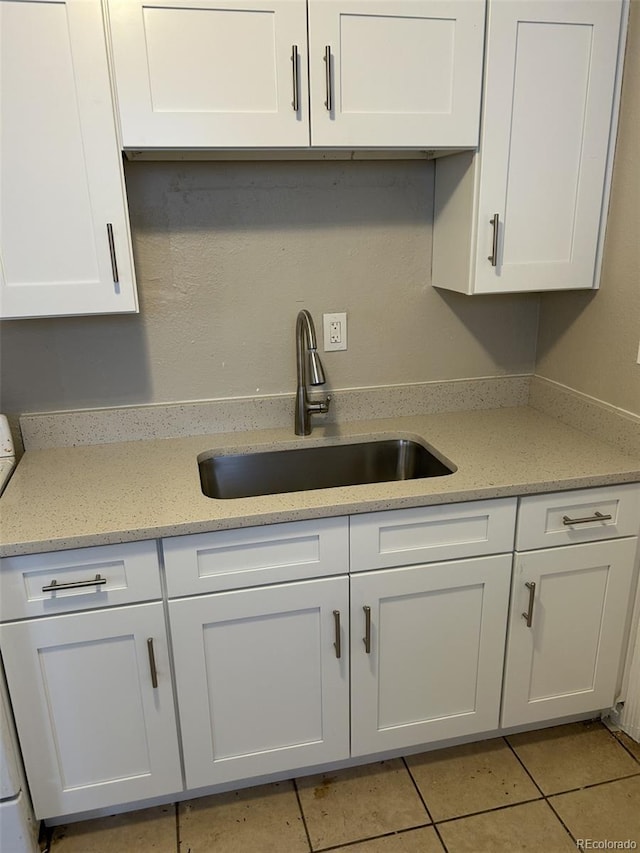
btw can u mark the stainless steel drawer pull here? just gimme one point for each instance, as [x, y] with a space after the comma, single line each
[295, 103]
[597, 516]
[529, 614]
[112, 252]
[54, 586]
[336, 622]
[493, 257]
[152, 663]
[367, 629]
[327, 58]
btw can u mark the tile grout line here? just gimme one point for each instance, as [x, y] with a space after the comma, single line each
[566, 828]
[584, 788]
[523, 765]
[544, 796]
[417, 789]
[623, 745]
[489, 811]
[612, 734]
[304, 821]
[580, 787]
[424, 803]
[47, 833]
[593, 785]
[369, 838]
[435, 824]
[547, 797]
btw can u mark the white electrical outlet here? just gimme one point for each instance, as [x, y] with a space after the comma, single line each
[335, 331]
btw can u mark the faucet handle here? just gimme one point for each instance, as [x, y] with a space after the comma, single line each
[320, 407]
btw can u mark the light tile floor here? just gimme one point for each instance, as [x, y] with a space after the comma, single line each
[548, 790]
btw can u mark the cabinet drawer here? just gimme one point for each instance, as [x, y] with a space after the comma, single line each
[566, 518]
[128, 573]
[402, 537]
[251, 556]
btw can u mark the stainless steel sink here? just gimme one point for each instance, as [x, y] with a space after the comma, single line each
[320, 467]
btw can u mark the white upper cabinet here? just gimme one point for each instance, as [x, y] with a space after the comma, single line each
[201, 74]
[230, 74]
[64, 231]
[402, 73]
[528, 211]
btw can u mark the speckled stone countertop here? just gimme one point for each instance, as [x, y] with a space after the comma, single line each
[72, 497]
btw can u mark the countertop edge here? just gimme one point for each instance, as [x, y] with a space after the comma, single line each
[356, 507]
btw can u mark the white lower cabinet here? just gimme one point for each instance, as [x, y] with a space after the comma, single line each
[570, 603]
[262, 678]
[427, 645]
[567, 628]
[302, 644]
[93, 703]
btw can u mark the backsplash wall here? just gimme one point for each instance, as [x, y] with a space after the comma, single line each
[227, 253]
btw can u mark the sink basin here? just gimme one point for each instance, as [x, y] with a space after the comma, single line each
[319, 467]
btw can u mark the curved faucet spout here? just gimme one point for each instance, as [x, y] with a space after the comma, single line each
[306, 330]
[307, 358]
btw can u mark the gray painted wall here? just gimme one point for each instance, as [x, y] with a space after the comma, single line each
[590, 341]
[226, 254]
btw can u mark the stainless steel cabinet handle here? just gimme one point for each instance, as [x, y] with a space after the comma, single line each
[295, 103]
[327, 59]
[336, 622]
[112, 252]
[367, 629]
[597, 516]
[152, 663]
[529, 614]
[54, 586]
[493, 257]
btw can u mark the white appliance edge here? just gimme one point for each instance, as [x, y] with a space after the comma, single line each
[18, 825]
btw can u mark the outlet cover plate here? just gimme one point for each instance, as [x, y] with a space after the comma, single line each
[335, 331]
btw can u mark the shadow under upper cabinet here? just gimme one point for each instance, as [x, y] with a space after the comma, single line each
[321, 467]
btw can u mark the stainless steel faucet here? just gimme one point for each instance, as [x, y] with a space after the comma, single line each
[304, 406]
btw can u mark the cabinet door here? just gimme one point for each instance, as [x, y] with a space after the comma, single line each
[548, 103]
[432, 668]
[400, 73]
[552, 75]
[567, 660]
[93, 728]
[260, 685]
[211, 74]
[64, 231]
